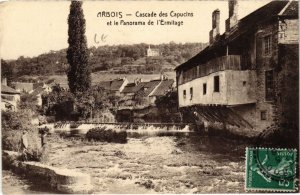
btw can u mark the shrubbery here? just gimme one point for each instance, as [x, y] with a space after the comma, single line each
[104, 134]
[13, 125]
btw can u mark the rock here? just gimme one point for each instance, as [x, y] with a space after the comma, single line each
[146, 183]
[176, 151]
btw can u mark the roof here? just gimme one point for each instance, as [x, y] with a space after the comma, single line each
[247, 24]
[38, 91]
[23, 86]
[113, 85]
[163, 87]
[36, 85]
[129, 88]
[147, 88]
[291, 9]
[8, 90]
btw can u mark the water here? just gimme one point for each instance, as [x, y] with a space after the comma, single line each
[154, 160]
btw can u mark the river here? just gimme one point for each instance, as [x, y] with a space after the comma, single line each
[177, 163]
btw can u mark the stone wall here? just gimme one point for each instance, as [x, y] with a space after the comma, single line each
[287, 88]
[61, 180]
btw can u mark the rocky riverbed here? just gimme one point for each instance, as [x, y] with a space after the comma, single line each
[147, 164]
[169, 164]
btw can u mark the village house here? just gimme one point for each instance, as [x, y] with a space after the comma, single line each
[114, 86]
[145, 93]
[9, 98]
[248, 76]
[164, 86]
[23, 87]
[138, 99]
[152, 52]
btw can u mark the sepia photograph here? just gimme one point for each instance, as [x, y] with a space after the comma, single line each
[149, 97]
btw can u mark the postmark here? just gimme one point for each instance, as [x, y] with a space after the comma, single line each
[270, 169]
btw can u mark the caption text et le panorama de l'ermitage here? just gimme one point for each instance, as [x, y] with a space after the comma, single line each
[137, 18]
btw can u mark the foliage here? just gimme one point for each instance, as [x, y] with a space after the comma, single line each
[85, 105]
[167, 107]
[58, 103]
[79, 75]
[111, 58]
[104, 134]
[13, 125]
[7, 71]
[29, 102]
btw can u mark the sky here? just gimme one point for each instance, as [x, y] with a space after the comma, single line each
[34, 27]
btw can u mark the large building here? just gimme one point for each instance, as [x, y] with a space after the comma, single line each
[248, 76]
[152, 52]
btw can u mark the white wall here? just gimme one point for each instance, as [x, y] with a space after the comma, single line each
[233, 90]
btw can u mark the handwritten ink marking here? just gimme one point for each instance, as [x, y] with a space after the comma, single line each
[103, 38]
[95, 39]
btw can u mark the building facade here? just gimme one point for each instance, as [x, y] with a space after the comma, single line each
[152, 52]
[244, 77]
[9, 98]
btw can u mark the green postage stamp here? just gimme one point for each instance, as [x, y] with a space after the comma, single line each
[269, 169]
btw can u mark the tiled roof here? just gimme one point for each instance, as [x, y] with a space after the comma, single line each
[112, 85]
[147, 88]
[129, 88]
[8, 90]
[247, 24]
[36, 85]
[23, 86]
[163, 87]
[291, 10]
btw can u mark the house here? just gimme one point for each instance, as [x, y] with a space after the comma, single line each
[247, 77]
[9, 98]
[143, 94]
[23, 87]
[114, 86]
[38, 92]
[161, 90]
[152, 52]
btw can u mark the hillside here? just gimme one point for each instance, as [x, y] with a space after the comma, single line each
[117, 59]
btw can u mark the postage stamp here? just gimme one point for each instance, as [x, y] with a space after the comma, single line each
[269, 169]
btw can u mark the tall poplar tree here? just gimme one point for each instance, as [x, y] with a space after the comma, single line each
[79, 74]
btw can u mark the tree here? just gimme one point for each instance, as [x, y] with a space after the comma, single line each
[7, 71]
[79, 74]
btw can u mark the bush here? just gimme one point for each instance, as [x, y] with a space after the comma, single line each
[106, 135]
[13, 125]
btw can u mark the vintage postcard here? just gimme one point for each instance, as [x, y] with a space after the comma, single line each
[156, 97]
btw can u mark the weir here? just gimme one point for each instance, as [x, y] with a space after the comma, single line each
[82, 128]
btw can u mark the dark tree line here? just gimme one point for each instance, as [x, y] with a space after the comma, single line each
[106, 57]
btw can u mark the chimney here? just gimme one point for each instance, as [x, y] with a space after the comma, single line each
[3, 81]
[233, 15]
[215, 31]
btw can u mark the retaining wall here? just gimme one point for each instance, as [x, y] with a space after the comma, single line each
[62, 180]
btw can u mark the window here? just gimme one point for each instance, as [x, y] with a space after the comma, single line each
[269, 85]
[267, 45]
[184, 94]
[216, 84]
[191, 93]
[263, 115]
[244, 83]
[204, 88]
